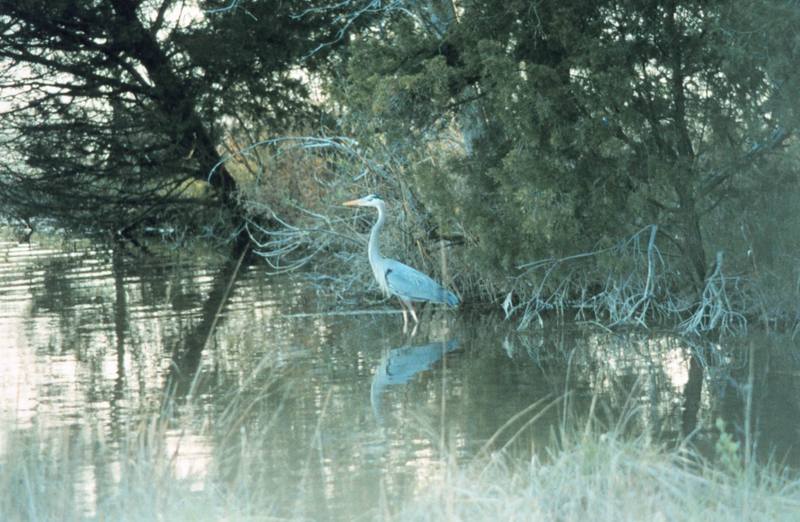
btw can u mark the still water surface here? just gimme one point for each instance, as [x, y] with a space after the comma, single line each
[337, 407]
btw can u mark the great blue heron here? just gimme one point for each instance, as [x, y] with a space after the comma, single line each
[396, 278]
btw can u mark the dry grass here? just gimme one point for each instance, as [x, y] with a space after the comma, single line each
[597, 477]
[602, 478]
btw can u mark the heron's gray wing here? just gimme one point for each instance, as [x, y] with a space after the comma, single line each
[405, 362]
[409, 283]
[401, 364]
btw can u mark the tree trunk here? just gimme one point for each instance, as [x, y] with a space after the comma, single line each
[438, 16]
[689, 223]
[684, 174]
[178, 105]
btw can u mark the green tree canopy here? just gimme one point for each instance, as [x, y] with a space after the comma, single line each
[544, 129]
[114, 111]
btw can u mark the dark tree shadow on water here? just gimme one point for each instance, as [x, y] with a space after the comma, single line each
[188, 353]
[692, 395]
[752, 397]
[120, 334]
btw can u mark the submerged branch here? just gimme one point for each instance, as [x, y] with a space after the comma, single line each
[714, 309]
[643, 289]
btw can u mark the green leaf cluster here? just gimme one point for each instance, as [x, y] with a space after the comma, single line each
[544, 129]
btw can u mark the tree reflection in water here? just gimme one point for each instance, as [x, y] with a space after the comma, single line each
[96, 341]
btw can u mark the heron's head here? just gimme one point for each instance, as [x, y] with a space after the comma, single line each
[367, 201]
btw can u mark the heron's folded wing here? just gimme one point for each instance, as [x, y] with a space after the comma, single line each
[410, 283]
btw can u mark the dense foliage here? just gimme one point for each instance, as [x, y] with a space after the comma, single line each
[114, 112]
[543, 130]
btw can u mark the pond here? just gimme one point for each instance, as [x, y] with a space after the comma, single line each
[337, 411]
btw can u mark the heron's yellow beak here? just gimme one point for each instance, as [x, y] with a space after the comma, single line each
[352, 203]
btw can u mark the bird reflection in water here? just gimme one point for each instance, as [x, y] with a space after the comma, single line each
[399, 365]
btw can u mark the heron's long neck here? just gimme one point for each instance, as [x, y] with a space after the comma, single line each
[372, 251]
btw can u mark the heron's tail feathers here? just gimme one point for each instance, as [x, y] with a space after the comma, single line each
[451, 299]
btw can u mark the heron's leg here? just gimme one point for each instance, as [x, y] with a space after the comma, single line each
[413, 313]
[408, 305]
[405, 316]
[414, 330]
